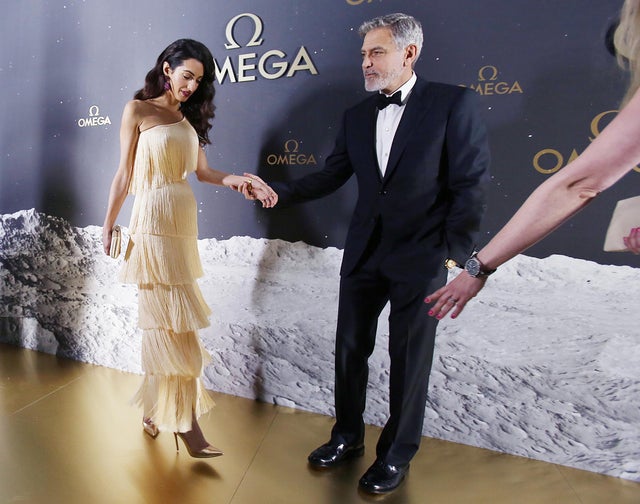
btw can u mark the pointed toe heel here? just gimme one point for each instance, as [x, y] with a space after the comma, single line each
[150, 428]
[206, 452]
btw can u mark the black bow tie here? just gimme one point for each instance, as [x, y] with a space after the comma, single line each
[384, 100]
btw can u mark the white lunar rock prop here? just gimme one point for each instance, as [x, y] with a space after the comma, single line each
[544, 363]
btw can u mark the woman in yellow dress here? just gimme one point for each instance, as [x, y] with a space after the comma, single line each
[162, 133]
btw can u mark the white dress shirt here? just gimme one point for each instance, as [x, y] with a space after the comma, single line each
[387, 124]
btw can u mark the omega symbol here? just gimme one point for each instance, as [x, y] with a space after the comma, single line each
[595, 123]
[257, 31]
[556, 155]
[488, 83]
[295, 143]
[248, 66]
[94, 118]
[291, 156]
[494, 74]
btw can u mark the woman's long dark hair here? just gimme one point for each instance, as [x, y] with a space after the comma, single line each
[199, 108]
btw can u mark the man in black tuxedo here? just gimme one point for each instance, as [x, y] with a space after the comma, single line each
[421, 161]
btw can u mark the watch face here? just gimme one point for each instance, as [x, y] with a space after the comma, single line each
[472, 266]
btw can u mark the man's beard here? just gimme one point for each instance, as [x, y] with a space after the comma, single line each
[380, 81]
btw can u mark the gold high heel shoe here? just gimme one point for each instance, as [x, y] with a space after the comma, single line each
[150, 428]
[206, 452]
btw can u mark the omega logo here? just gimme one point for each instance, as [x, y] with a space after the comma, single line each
[271, 65]
[291, 155]
[488, 83]
[94, 118]
[255, 40]
[557, 159]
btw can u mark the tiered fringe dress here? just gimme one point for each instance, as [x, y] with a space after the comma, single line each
[162, 259]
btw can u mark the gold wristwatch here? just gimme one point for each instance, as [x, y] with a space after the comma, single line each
[451, 264]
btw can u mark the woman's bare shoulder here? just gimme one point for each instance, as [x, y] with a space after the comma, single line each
[138, 109]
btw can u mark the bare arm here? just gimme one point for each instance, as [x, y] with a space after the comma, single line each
[609, 157]
[129, 133]
[252, 188]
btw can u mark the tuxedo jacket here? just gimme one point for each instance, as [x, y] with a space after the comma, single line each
[428, 205]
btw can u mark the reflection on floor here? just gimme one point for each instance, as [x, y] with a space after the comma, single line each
[68, 436]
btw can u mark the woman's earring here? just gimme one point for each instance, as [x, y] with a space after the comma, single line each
[167, 86]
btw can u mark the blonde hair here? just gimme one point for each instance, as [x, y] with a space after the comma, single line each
[627, 43]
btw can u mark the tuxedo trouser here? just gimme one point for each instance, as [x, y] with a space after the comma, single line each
[363, 295]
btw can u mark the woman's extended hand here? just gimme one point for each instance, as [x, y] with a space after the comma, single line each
[454, 296]
[106, 239]
[632, 242]
[256, 188]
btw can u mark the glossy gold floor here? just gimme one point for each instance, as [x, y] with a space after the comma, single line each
[68, 436]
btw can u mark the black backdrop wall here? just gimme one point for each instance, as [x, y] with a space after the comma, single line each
[287, 70]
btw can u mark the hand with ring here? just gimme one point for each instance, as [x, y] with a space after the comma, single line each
[453, 297]
[257, 189]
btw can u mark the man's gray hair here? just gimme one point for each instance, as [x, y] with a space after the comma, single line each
[405, 29]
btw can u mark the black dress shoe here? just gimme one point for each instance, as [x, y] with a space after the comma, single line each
[382, 478]
[331, 454]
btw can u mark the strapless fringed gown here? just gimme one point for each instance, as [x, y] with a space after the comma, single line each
[162, 259]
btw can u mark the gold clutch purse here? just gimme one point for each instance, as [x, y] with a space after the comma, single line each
[116, 242]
